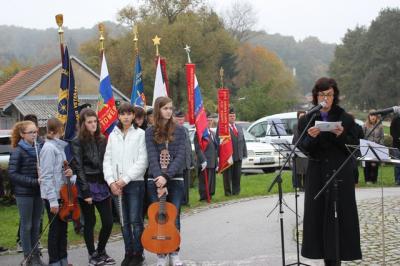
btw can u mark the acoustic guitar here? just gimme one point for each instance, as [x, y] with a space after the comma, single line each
[161, 236]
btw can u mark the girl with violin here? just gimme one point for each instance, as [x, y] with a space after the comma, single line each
[125, 163]
[54, 174]
[24, 177]
[166, 137]
[88, 151]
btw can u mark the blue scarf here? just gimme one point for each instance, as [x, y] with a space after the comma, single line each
[30, 149]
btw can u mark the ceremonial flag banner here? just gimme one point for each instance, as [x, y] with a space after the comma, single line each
[190, 76]
[106, 108]
[163, 64]
[138, 98]
[225, 142]
[67, 110]
[200, 117]
[160, 88]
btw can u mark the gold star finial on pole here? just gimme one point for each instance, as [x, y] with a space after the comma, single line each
[187, 49]
[156, 42]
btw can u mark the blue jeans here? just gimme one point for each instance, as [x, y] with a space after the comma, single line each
[397, 168]
[30, 212]
[132, 209]
[175, 196]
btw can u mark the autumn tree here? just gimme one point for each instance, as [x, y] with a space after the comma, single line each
[266, 85]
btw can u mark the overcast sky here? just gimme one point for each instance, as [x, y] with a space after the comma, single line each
[326, 19]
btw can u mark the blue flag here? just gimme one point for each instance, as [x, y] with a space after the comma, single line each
[68, 101]
[138, 98]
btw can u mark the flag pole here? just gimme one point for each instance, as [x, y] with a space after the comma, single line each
[221, 75]
[60, 21]
[101, 39]
[101, 49]
[136, 39]
[156, 42]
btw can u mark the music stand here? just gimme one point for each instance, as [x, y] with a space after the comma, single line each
[286, 148]
[373, 152]
[280, 130]
[278, 180]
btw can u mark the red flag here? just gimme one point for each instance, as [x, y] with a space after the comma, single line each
[225, 146]
[163, 63]
[190, 69]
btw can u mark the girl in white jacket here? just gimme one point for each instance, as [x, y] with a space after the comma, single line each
[126, 153]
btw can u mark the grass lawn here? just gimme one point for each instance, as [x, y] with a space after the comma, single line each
[251, 185]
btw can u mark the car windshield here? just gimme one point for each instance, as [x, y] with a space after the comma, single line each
[248, 137]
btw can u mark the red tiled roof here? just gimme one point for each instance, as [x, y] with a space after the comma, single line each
[22, 81]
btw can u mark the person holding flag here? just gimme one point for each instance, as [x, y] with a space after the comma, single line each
[233, 174]
[207, 189]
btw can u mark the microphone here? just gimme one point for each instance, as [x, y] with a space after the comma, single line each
[316, 108]
[394, 109]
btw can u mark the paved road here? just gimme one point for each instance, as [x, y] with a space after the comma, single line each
[239, 233]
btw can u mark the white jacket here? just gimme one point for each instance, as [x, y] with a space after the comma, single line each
[129, 154]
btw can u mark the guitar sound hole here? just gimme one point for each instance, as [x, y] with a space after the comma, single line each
[161, 218]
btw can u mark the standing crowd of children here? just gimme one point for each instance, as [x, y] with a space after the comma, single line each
[125, 165]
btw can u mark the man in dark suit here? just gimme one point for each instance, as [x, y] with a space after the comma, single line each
[189, 157]
[233, 174]
[211, 156]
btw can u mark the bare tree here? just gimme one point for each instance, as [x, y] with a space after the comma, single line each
[240, 19]
[128, 16]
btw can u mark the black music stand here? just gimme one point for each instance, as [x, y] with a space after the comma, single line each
[285, 149]
[372, 152]
[278, 180]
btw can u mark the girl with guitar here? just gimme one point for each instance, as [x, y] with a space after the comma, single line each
[54, 174]
[165, 142]
[125, 163]
[88, 151]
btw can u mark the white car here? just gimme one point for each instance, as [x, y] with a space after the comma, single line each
[260, 155]
[5, 148]
[278, 126]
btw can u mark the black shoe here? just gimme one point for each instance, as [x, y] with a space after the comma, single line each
[37, 261]
[3, 249]
[127, 260]
[137, 260]
[106, 259]
[95, 260]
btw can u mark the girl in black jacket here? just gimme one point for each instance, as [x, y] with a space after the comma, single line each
[23, 172]
[88, 152]
[165, 135]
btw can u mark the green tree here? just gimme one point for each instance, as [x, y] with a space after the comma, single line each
[367, 64]
[209, 41]
[9, 70]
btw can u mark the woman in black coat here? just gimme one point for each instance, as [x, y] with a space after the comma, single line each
[327, 151]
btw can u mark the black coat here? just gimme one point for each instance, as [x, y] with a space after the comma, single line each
[22, 168]
[395, 131]
[176, 150]
[326, 153]
[88, 163]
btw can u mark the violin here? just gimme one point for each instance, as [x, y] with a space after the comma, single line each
[69, 208]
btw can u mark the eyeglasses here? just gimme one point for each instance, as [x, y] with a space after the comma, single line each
[320, 94]
[31, 132]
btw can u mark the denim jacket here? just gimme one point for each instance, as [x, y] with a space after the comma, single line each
[52, 177]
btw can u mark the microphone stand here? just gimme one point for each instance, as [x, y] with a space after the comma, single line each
[278, 180]
[335, 189]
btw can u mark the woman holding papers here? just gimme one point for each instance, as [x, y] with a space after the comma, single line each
[371, 168]
[327, 151]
